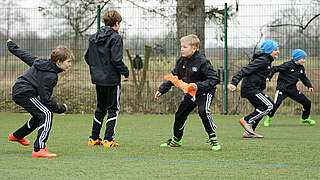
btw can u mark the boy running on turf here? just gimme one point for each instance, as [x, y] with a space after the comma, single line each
[33, 92]
[254, 77]
[193, 68]
[289, 74]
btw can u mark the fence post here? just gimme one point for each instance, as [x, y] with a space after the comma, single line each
[98, 16]
[225, 59]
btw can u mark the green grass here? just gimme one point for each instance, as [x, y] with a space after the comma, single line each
[290, 150]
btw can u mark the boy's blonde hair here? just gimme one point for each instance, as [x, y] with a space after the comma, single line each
[61, 53]
[191, 39]
[111, 17]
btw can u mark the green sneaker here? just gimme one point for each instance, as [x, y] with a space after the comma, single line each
[172, 143]
[308, 120]
[214, 143]
[267, 121]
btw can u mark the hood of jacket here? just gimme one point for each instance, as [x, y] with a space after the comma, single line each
[102, 35]
[46, 65]
[261, 53]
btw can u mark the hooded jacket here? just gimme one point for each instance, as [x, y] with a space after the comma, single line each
[196, 69]
[104, 57]
[289, 75]
[39, 80]
[254, 74]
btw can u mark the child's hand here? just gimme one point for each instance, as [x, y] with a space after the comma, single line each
[194, 86]
[126, 79]
[232, 87]
[65, 106]
[9, 40]
[311, 90]
[157, 95]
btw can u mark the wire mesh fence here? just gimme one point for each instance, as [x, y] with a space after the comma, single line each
[38, 32]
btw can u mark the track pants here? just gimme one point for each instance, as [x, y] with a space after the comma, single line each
[262, 104]
[187, 105]
[41, 119]
[296, 96]
[108, 98]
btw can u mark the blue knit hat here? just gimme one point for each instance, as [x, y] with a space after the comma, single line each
[268, 46]
[298, 54]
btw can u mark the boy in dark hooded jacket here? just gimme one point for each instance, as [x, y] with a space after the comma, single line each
[254, 82]
[33, 92]
[104, 57]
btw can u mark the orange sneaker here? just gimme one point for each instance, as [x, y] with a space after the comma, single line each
[247, 126]
[107, 143]
[22, 141]
[248, 135]
[43, 153]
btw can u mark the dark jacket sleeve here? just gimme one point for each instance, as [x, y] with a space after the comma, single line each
[303, 77]
[274, 69]
[21, 54]
[166, 85]
[116, 57]
[45, 92]
[212, 78]
[247, 70]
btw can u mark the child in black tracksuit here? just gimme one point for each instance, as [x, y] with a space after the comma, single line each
[104, 57]
[33, 92]
[254, 82]
[193, 67]
[289, 74]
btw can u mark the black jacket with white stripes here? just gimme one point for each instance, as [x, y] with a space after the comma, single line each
[289, 75]
[254, 74]
[196, 69]
[39, 80]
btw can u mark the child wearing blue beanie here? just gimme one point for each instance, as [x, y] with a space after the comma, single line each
[254, 77]
[289, 74]
[298, 54]
[268, 46]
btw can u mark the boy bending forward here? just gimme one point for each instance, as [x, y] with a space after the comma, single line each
[33, 91]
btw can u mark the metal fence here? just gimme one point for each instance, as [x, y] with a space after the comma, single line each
[292, 25]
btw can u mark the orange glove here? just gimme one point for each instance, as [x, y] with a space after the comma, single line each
[185, 87]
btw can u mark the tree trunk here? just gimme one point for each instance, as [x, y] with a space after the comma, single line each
[190, 18]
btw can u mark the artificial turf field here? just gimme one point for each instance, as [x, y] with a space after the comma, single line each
[290, 150]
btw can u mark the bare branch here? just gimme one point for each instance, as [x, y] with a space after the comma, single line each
[296, 25]
[314, 17]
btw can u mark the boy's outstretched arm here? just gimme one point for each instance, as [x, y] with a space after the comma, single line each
[274, 69]
[247, 70]
[21, 54]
